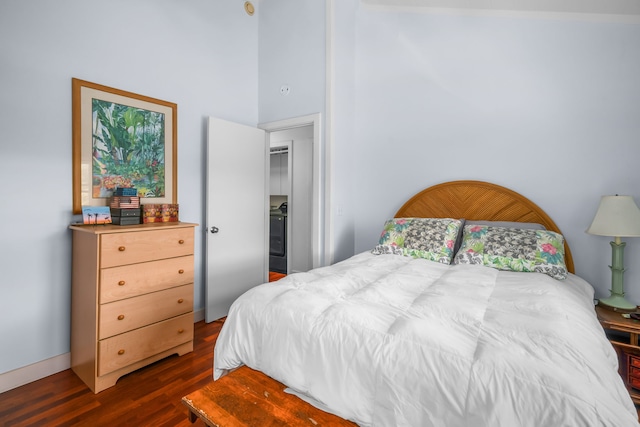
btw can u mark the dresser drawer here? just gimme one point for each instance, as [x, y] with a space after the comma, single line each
[633, 369]
[132, 313]
[634, 383]
[141, 246]
[122, 350]
[128, 281]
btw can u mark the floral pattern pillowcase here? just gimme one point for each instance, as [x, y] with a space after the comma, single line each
[513, 249]
[428, 238]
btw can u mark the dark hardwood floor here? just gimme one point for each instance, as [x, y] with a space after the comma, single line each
[150, 396]
[274, 277]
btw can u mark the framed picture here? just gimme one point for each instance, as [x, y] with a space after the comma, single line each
[96, 215]
[121, 139]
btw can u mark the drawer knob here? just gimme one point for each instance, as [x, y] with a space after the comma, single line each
[180, 331]
[120, 352]
[121, 283]
[181, 271]
[180, 301]
[121, 248]
[121, 317]
[181, 242]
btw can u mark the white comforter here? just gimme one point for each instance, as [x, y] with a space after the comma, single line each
[394, 341]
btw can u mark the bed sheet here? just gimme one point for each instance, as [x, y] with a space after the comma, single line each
[394, 341]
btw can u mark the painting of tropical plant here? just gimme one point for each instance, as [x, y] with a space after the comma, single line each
[128, 149]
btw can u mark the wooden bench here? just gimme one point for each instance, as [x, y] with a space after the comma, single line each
[246, 397]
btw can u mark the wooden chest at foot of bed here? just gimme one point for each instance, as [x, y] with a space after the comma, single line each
[246, 397]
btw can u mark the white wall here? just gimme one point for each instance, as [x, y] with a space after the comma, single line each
[292, 53]
[199, 54]
[548, 107]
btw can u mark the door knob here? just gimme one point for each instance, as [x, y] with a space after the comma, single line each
[214, 229]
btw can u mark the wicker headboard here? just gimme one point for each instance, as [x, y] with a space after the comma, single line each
[477, 200]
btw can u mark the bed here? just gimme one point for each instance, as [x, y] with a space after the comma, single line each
[432, 327]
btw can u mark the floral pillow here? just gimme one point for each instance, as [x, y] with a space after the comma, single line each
[540, 251]
[428, 238]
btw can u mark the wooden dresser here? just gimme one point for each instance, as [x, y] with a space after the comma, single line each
[132, 298]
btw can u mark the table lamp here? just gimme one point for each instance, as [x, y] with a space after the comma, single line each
[617, 216]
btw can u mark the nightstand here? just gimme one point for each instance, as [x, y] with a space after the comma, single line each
[623, 334]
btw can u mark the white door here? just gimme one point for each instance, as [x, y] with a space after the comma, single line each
[237, 214]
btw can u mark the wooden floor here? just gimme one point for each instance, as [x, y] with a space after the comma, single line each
[273, 276]
[150, 396]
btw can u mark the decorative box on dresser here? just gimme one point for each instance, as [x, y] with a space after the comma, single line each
[132, 298]
[623, 334]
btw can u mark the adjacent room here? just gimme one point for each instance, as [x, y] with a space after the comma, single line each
[509, 111]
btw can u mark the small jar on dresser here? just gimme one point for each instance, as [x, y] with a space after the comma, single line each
[132, 298]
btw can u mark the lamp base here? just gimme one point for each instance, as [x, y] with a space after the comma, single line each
[618, 303]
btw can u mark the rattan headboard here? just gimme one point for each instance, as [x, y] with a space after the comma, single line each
[477, 200]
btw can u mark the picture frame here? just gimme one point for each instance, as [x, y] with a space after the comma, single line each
[96, 215]
[122, 139]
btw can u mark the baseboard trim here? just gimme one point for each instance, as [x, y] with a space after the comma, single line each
[37, 371]
[25, 375]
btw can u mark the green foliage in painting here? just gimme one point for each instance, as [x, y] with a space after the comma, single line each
[128, 149]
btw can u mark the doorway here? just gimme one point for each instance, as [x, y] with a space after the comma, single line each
[291, 190]
[306, 154]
